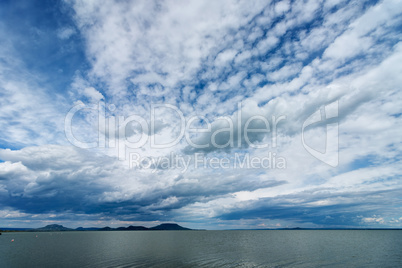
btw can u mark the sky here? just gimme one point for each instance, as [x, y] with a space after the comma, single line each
[210, 114]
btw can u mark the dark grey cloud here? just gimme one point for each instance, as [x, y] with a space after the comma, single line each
[347, 208]
[59, 179]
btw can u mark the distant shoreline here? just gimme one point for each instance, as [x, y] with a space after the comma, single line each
[61, 228]
[108, 229]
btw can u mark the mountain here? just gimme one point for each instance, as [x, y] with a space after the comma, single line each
[132, 228]
[58, 228]
[107, 228]
[163, 226]
[52, 227]
[169, 227]
[87, 229]
[136, 228]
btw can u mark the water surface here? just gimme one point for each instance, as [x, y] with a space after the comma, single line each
[279, 248]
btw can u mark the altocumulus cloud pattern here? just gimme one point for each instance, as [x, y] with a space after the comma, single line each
[212, 114]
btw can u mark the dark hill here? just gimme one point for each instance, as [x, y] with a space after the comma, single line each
[107, 228]
[87, 229]
[136, 228]
[132, 228]
[52, 227]
[58, 228]
[169, 226]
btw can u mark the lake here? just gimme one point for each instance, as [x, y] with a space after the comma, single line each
[268, 248]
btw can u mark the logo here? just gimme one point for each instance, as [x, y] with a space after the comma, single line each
[325, 116]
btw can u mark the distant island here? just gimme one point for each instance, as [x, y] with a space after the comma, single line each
[61, 228]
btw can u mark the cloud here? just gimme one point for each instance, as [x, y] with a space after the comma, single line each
[336, 209]
[28, 114]
[278, 59]
[38, 180]
[374, 219]
[66, 33]
[93, 94]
